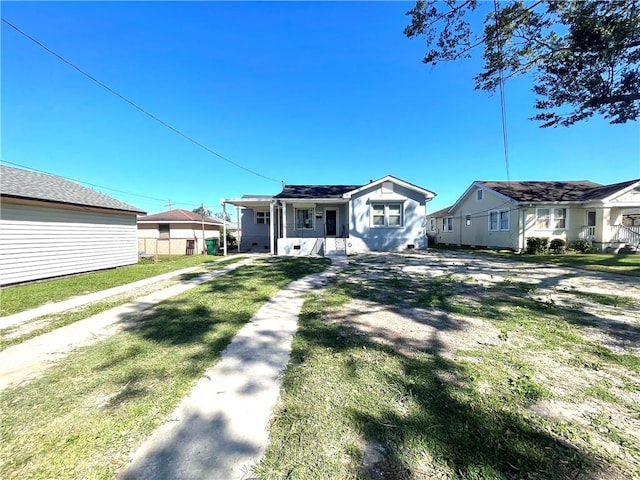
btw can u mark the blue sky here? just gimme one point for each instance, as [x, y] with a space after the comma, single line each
[304, 92]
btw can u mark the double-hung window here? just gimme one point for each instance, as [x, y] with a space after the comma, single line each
[447, 224]
[499, 220]
[305, 219]
[551, 218]
[386, 215]
[263, 218]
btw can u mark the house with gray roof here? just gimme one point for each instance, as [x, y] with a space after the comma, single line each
[387, 214]
[50, 226]
[504, 214]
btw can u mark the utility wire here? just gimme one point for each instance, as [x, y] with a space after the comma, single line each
[137, 107]
[503, 111]
[97, 186]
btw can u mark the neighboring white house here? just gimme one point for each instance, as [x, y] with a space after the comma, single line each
[176, 232]
[505, 214]
[384, 215]
[51, 227]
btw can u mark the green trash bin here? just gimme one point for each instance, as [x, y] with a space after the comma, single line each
[212, 246]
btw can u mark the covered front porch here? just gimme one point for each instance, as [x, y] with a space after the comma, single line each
[616, 230]
[279, 227]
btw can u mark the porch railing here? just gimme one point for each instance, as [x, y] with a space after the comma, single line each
[622, 233]
[588, 232]
[619, 233]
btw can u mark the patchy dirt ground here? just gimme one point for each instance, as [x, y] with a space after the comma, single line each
[410, 302]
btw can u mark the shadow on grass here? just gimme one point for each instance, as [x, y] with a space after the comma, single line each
[463, 434]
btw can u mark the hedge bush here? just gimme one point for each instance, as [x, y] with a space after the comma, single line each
[557, 245]
[582, 245]
[537, 245]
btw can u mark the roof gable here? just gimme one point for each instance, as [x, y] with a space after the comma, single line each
[30, 185]
[389, 178]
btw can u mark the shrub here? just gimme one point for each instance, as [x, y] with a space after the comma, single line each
[582, 245]
[557, 245]
[537, 245]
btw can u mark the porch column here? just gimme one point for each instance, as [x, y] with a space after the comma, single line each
[271, 228]
[284, 220]
[224, 226]
[238, 231]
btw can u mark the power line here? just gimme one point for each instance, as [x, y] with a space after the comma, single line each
[137, 107]
[98, 186]
[503, 111]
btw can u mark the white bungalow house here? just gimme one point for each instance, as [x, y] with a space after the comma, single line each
[176, 232]
[505, 214]
[383, 215]
[50, 226]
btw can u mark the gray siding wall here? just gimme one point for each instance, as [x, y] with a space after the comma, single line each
[363, 236]
[255, 237]
[44, 242]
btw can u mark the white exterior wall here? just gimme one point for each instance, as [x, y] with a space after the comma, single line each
[149, 240]
[39, 242]
[363, 236]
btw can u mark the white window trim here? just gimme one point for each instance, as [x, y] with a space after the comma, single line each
[433, 224]
[313, 218]
[267, 217]
[449, 224]
[479, 194]
[552, 219]
[499, 212]
[386, 206]
[467, 220]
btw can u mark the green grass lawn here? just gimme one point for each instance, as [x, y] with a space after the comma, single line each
[84, 416]
[356, 406]
[18, 298]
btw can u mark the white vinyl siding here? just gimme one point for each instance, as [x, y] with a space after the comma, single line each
[44, 242]
[499, 221]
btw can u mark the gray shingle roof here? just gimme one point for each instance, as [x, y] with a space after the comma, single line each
[575, 191]
[26, 184]
[315, 191]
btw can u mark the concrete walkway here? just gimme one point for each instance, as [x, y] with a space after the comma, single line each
[221, 429]
[27, 360]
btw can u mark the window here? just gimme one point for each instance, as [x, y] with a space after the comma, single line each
[551, 218]
[263, 218]
[163, 230]
[447, 224]
[479, 194]
[499, 221]
[304, 219]
[386, 215]
[467, 220]
[432, 224]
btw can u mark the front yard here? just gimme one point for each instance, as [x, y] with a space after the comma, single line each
[425, 366]
[417, 368]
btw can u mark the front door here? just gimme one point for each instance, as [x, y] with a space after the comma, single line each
[331, 221]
